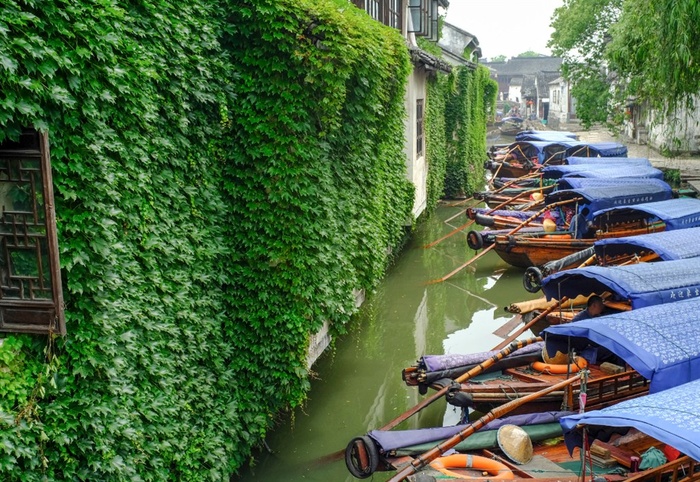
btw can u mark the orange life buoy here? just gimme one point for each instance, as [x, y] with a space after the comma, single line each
[494, 468]
[553, 368]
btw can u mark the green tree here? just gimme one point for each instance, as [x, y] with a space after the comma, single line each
[529, 54]
[498, 58]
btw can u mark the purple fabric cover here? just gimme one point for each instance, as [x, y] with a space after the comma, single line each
[505, 212]
[444, 362]
[393, 439]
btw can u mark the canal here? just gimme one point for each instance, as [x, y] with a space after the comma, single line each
[357, 385]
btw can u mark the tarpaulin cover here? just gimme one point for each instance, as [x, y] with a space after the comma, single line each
[443, 362]
[600, 171]
[541, 150]
[531, 135]
[601, 197]
[597, 149]
[586, 182]
[661, 342]
[393, 439]
[644, 284]
[676, 213]
[627, 161]
[669, 245]
[671, 416]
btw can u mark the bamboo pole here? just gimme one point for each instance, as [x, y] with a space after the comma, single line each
[530, 323]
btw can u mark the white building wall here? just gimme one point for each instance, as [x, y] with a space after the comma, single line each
[416, 166]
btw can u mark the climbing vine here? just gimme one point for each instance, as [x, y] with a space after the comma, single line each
[226, 173]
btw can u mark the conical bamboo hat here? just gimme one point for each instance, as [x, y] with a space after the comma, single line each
[515, 443]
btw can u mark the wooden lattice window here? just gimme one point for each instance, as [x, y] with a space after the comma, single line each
[31, 299]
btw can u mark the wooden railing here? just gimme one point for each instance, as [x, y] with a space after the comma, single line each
[683, 469]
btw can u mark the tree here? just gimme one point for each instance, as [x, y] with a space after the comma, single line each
[498, 58]
[530, 53]
[581, 32]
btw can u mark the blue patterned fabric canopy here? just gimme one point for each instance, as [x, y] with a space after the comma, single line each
[531, 135]
[644, 284]
[669, 245]
[597, 149]
[627, 161]
[661, 342]
[601, 197]
[594, 182]
[671, 417]
[601, 171]
[676, 213]
[541, 150]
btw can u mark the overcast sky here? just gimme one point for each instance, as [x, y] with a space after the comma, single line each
[505, 27]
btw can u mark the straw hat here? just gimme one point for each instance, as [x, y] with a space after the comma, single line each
[559, 358]
[537, 196]
[549, 225]
[515, 443]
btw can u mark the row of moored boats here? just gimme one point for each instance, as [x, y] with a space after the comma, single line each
[610, 397]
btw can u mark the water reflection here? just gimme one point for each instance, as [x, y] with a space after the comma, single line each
[358, 385]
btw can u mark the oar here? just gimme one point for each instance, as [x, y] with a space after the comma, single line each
[516, 345]
[512, 231]
[424, 459]
[530, 323]
[469, 223]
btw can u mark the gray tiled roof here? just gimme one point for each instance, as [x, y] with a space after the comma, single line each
[526, 65]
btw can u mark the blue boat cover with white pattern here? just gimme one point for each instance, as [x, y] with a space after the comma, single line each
[601, 171]
[541, 150]
[531, 135]
[602, 197]
[676, 213]
[628, 161]
[597, 149]
[644, 284]
[661, 342]
[669, 245]
[671, 417]
[593, 182]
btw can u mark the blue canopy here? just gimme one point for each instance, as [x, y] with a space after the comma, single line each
[669, 245]
[644, 284]
[540, 150]
[671, 417]
[595, 182]
[531, 135]
[597, 149]
[675, 213]
[601, 170]
[628, 161]
[661, 342]
[605, 196]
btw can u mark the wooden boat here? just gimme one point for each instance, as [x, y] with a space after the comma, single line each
[583, 229]
[662, 246]
[621, 440]
[663, 353]
[523, 157]
[535, 135]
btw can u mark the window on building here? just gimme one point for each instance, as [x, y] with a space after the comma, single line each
[419, 128]
[387, 12]
[31, 299]
[424, 18]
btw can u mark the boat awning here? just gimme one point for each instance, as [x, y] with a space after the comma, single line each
[661, 342]
[597, 149]
[676, 213]
[594, 182]
[671, 417]
[602, 197]
[669, 245]
[540, 150]
[531, 135]
[601, 171]
[627, 161]
[644, 284]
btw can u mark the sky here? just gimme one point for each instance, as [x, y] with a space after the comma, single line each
[505, 27]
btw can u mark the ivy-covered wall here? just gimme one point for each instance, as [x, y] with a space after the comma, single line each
[469, 100]
[225, 174]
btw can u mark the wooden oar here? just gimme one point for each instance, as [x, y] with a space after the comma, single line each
[516, 345]
[530, 324]
[424, 459]
[469, 223]
[512, 231]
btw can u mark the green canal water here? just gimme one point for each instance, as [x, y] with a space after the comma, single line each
[358, 387]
